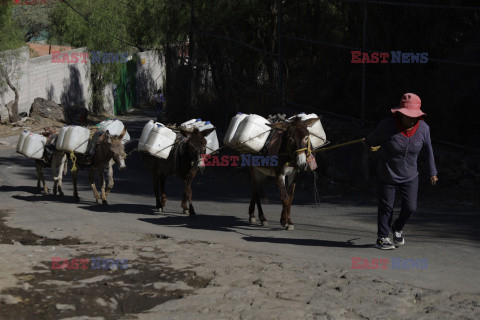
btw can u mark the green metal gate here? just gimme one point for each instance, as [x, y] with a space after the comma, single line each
[124, 93]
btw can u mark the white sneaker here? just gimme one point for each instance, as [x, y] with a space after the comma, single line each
[397, 238]
[384, 243]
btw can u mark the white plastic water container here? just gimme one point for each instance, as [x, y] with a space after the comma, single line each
[75, 139]
[212, 139]
[232, 128]
[115, 127]
[301, 115]
[160, 141]
[252, 133]
[145, 133]
[21, 140]
[34, 146]
[188, 123]
[192, 124]
[198, 124]
[317, 134]
[60, 137]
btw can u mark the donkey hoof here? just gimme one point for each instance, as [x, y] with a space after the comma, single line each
[252, 220]
[265, 223]
[161, 209]
[290, 227]
[104, 202]
[185, 211]
[61, 194]
[76, 199]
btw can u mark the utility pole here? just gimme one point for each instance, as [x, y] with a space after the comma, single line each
[364, 66]
[280, 51]
[190, 56]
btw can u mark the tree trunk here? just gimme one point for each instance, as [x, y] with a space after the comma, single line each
[13, 109]
[97, 94]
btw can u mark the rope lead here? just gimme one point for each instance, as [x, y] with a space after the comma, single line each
[73, 157]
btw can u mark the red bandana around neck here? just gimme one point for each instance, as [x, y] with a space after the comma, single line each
[407, 133]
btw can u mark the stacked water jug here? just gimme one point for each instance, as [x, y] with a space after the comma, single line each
[247, 133]
[114, 127]
[31, 145]
[212, 139]
[317, 135]
[73, 138]
[157, 140]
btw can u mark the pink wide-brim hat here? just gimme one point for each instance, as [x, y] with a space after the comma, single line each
[410, 106]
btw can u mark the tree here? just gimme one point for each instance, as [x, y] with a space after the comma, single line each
[10, 39]
[33, 20]
[97, 27]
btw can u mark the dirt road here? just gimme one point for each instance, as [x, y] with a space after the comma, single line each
[217, 265]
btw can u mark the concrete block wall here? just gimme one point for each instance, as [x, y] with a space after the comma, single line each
[69, 84]
[151, 75]
[64, 83]
[108, 99]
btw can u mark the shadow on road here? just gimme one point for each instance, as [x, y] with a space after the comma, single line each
[28, 189]
[45, 198]
[234, 224]
[202, 222]
[309, 242]
[120, 207]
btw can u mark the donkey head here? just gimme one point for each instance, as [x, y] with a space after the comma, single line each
[49, 133]
[111, 147]
[196, 144]
[296, 139]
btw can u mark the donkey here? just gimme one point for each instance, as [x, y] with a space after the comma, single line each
[108, 151]
[183, 161]
[292, 148]
[56, 161]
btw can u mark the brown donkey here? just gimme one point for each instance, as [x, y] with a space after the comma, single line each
[292, 149]
[109, 150]
[56, 161]
[183, 161]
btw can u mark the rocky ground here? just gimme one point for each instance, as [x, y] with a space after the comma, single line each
[169, 278]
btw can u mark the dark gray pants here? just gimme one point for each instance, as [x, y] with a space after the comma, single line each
[387, 192]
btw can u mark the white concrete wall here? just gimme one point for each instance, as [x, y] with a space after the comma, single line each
[150, 76]
[108, 99]
[64, 83]
[69, 84]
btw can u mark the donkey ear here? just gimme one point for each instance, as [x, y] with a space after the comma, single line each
[105, 137]
[185, 133]
[278, 126]
[123, 133]
[207, 132]
[310, 122]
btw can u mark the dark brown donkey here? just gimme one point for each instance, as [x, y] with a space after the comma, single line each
[292, 142]
[183, 161]
[109, 150]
